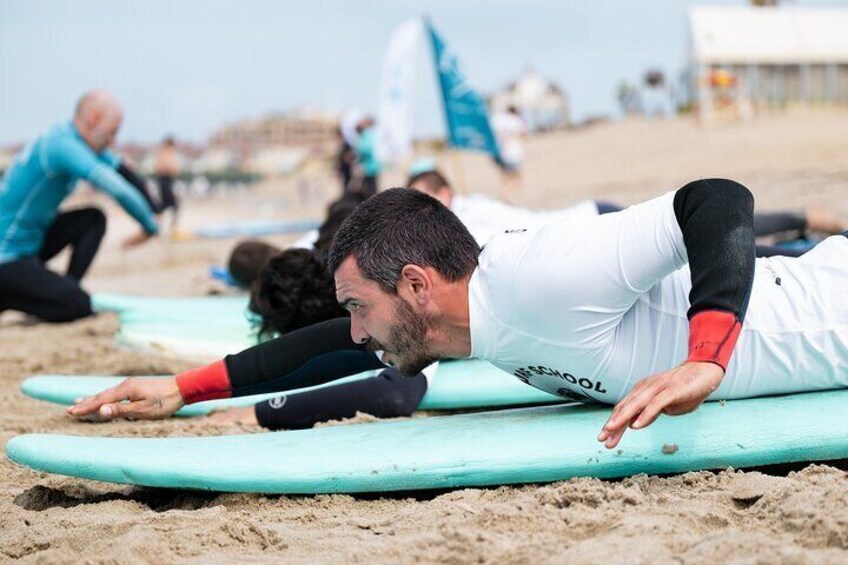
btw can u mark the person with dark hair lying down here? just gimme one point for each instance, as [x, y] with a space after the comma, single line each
[484, 216]
[249, 256]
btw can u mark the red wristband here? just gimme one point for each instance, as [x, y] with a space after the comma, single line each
[205, 383]
[712, 337]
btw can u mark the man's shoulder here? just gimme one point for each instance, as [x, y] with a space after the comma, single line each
[61, 137]
[506, 249]
[59, 131]
[66, 151]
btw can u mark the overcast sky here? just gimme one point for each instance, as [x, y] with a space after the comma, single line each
[189, 66]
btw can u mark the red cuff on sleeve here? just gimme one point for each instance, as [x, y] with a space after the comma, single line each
[712, 337]
[205, 383]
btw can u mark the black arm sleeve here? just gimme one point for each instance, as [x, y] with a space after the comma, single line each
[716, 218]
[768, 223]
[388, 395]
[138, 182]
[306, 357]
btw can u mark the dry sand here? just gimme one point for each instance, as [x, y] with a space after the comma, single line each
[792, 515]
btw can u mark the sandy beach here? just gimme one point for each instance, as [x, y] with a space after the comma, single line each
[796, 514]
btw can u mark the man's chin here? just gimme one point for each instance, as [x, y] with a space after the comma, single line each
[412, 368]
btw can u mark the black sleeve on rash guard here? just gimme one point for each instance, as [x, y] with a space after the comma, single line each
[387, 395]
[309, 356]
[138, 182]
[716, 218]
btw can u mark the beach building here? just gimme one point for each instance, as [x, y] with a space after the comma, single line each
[541, 102]
[302, 128]
[751, 58]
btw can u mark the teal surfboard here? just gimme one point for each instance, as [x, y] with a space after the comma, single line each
[194, 328]
[491, 448]
[256, 228]
[456, 385]
[156, 307]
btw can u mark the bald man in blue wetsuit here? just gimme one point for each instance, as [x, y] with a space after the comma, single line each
[33, 230]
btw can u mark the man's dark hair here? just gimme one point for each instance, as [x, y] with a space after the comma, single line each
[247, 259]
[432, 181]
[402, 226]
[293, 290]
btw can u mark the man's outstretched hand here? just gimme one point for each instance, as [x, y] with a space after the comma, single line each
[143, 399]
[674, 392]
[135, 240]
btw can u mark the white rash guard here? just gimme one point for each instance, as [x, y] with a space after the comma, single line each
[485, 217]
[587, 308]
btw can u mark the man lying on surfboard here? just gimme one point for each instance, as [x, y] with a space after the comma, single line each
[295, 290]
[643, 308]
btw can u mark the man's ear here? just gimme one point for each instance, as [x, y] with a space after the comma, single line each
[445, 196]
[416, 283]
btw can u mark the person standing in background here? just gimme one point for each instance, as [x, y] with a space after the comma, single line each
[167, 168]
[510, 131]
[345, 159]
[366, 155]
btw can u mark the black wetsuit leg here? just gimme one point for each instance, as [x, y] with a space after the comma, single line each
[83, 231]
[166, 193]
[387, 395]
[26, 285]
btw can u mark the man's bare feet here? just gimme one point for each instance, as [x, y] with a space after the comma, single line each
[824, 221]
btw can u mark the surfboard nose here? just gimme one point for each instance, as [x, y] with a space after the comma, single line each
[25, 449]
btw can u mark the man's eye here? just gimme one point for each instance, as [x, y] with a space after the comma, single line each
[356, 307]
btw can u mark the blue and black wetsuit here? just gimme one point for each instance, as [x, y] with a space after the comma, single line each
[32, 230]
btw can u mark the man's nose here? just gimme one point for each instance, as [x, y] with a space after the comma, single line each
[357, 332]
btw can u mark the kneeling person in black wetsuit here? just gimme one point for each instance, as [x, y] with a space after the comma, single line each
[33, 230]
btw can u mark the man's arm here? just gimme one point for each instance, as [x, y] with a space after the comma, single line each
[715, 218]
[77, 159]
[137, 181]
[307, 357]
